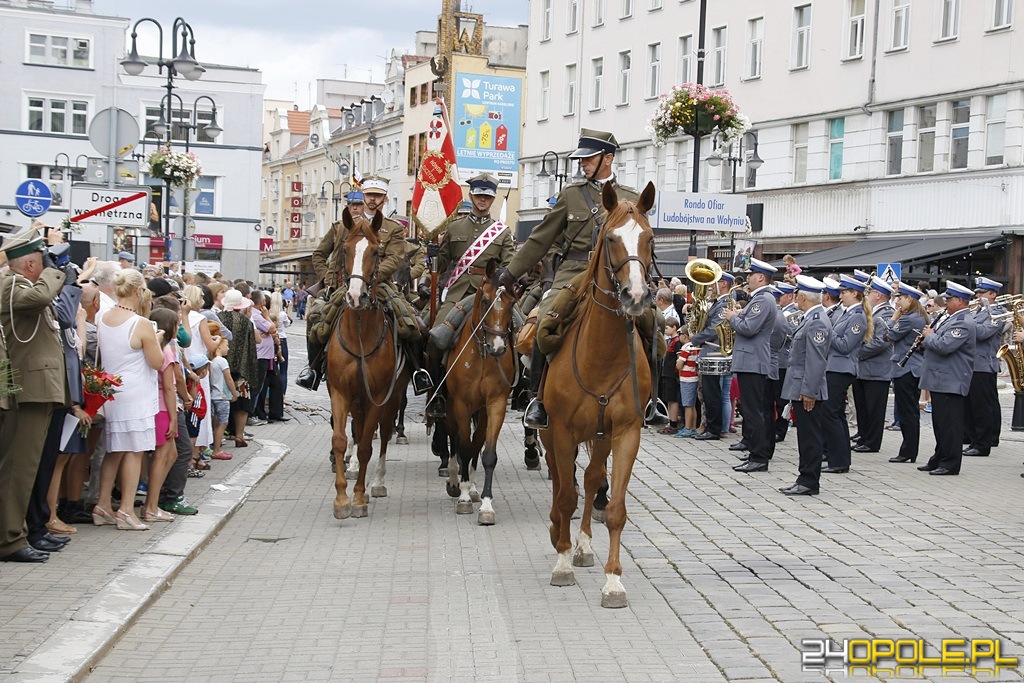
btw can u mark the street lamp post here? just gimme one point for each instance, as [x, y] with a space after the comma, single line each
[701, 33]
[183, 62]
[754, 162]
[559, 176]
[335, 197]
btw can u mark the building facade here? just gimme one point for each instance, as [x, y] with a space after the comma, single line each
[874, 119]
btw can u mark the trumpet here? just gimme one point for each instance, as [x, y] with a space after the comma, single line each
[1009, 299]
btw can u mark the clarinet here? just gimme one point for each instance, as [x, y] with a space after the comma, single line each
[919, 342]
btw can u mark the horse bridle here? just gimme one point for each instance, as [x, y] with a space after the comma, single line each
[369, 282]
[613, 270]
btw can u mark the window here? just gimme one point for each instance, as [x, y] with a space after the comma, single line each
[800, 153]
[544, 102]
[995, 129]
[855, 29]
[57, 116]
[949, 19]
[801, 58]
[627, 9]
[413, 99]
[546, 21]
[599, 8]
[685, 59]
[655, 4]
[653, 70]
[755, 47]
[926, 116]
[719, 37]
[569, 106]
[836, 130]
[959, 131]
[411, 162]
[900, 25]
[572, 16]
[58, 51]
[894, 142]
[1002, 15]
[182, 130]
[206, 198]
[597, 83]
[624, 66]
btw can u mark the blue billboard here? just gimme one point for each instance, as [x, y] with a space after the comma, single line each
[487, 122]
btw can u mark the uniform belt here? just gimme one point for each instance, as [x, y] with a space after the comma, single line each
[477, 270]
[577, 255]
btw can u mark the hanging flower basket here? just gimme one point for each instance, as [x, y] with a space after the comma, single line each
[693, 109]
[180, 168]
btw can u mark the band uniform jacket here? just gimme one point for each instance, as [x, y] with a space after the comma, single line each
[988, 338]
[327, 256]
[753, 325]
[707, 338]
[948, 363]
[571, 218]
[776, 342]
[848, 330]
[788, 309]
[903, 333]
[875, 361]
[457, 239]
[809, 357]
[38, 364]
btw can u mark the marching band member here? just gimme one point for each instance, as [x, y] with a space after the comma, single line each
[787, 304]
[714, 387]
[874, 370]
[983, 419]
[946, 372]
[778, 340]
[751, 361]
[805, 384]
[830, 297]
[851, 322]
[907, 323]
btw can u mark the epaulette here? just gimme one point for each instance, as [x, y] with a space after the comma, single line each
[620, 186]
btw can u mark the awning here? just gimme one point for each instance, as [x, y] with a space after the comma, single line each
[911, 250]
[284, 259]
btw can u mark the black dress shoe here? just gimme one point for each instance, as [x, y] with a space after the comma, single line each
[54, 538]
[799, 490]
[902, 458]
[45, 546]
[942, 472]
[780, 439]
[864, 449]
[743, 456]
[835, 470]
[28, 554]
[926, 467]
[707, 436]
[974, 451]
[741, 446]
[751, 466]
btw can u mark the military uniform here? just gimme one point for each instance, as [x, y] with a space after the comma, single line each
[871, 388]
[776, 375]
[713, 387]
[782, 422]
[457, 239]
[849, 326]
[903, 332]
[327, 257]
[983, 418]
[37, 361]
[946, 371]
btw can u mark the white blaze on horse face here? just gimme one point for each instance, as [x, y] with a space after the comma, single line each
[355, 284]
[630, 233]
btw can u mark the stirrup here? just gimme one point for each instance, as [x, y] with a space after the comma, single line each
[308, 379]
[656, 414]
[437, 408]
[421, 382]
[536, 416]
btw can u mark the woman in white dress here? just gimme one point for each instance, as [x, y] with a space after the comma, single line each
[204, 344]
[130, 347]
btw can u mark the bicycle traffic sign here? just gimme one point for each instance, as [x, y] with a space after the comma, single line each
[33, 198]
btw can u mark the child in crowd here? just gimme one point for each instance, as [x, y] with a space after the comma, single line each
[200, 366]
[686, 365]
[669, 390]
[222, 394]
[792, 269]
[166, 417]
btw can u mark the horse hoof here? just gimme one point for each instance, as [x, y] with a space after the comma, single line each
[614, 600]
[442, 472]
[485, 518]
[464, 507]
[533, 466]
[582, 559]
[597, 515]
[343, 513]
[402, 441]
[379, 491]
[358, 510]
[452, 489]
[563, 578]
[474, 496]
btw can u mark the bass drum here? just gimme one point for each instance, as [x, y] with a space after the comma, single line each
[714, 365]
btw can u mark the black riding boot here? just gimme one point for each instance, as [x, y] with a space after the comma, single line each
[421, 380]
[656, 412]
[311, 375]
[536, 416]
[437, 407]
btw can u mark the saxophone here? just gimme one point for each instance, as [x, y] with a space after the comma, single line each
[726, 335]
[1013, 352]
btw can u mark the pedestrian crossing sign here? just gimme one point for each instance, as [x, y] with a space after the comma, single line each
[889, 272]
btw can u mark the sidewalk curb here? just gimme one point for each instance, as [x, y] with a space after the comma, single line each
[72, 650]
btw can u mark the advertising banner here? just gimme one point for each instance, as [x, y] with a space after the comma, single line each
[487, 119]
[209, 241]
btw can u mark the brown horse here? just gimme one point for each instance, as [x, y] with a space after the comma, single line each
[482, 371]
[596, 387]
[364, 372]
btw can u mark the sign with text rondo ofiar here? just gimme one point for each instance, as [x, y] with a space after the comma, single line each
[97, 204]
[33, 198]
[703, 211]
[890, 272]
[486, 121]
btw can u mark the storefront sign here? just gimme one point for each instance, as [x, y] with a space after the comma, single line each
[486, 121]
[209, 241]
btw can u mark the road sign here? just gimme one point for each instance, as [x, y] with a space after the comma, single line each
[105, 206]
[706, 212]
[127, 172]
[33, 198]
[125, 129]
[890, 272]
[266, 245]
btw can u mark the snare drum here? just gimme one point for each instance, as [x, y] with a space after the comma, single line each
[715, 365]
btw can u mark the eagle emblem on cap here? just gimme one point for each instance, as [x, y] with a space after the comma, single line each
[819, 337]
[957, 332]
[856, 328]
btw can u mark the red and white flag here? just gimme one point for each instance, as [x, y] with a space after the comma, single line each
[437, 193]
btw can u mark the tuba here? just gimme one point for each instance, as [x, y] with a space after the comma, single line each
[703, 273]
[1013, 353]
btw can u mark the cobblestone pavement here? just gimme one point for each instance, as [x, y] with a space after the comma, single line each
[725, 575]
